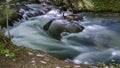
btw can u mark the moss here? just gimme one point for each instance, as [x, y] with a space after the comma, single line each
[107, 5]
[91, 5]
[100, 5]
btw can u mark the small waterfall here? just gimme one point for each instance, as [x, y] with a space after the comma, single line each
[98, 42]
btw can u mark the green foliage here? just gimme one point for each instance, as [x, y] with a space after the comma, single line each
[5, 11]
[101, 64]
[7, 53]
[93, 5]
[107, 5]
[0, 44]
[8, 1]
[113, 63]
[18, 49]
[0, 8]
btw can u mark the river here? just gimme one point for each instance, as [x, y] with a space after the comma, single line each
[98, 42]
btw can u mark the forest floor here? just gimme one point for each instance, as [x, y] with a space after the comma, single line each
[34, 59]
[28, 58]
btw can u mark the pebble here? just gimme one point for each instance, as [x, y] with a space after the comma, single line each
[57, 67]
[77, 66]
[33, 61]
[39, 55]
[106, 67]
[43, 62]
[30, 53]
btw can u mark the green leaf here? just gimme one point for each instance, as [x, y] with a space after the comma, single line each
[6, 51]
[8, 1]
[0, 44]
[12, 54]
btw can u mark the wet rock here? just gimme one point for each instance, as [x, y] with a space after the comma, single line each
[63, 7]
[12, 18]
[74, 17]
[46, 27]
[74, 27]
[36, 1]
[29, 14]
[58, 26]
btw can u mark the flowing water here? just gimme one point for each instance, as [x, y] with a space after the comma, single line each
[98, 42]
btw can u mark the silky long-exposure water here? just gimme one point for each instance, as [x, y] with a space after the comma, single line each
[98, 42]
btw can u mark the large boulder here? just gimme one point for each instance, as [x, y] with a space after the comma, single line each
[57, 27]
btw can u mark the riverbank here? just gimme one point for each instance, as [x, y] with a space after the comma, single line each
[27, 58]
